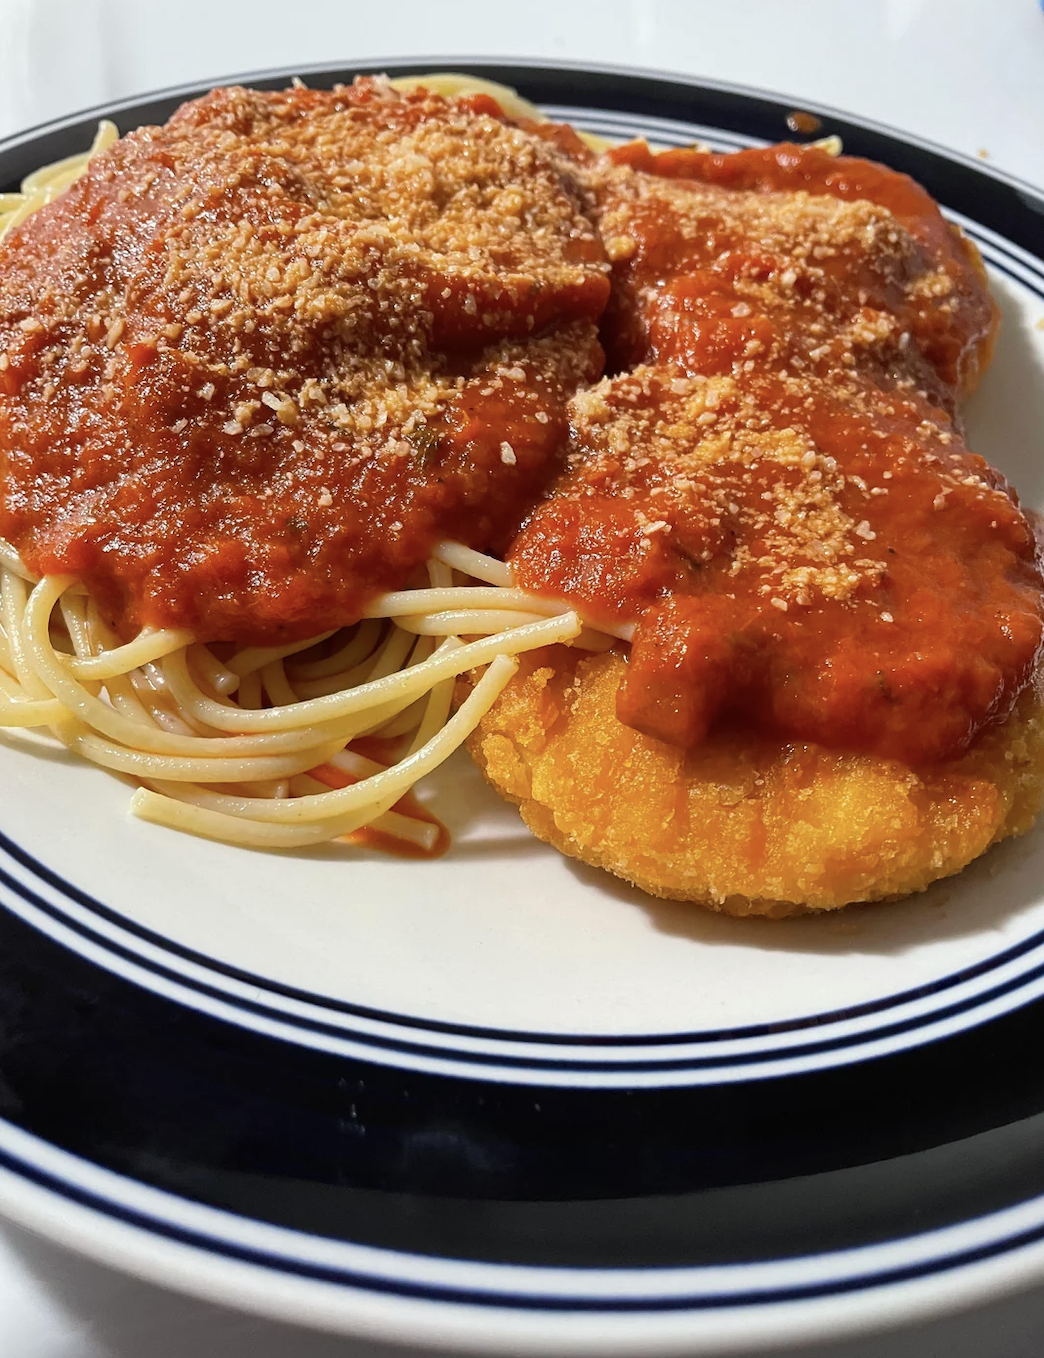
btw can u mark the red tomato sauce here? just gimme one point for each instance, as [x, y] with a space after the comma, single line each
[257, 362]
[773, 488]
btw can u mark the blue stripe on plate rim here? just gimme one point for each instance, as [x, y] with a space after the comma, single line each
[594, 1062]
[946, 1006]
[164, 1236]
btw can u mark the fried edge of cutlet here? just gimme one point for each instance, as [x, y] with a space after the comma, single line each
[743, 825]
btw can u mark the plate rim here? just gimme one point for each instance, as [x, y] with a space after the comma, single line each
[114, 1234]
[442, 62]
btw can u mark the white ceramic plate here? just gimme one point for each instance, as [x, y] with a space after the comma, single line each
[332, 1085]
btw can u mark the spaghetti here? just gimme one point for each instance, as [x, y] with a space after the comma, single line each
[222, 746]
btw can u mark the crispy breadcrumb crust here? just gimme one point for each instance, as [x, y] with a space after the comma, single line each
[743, 825]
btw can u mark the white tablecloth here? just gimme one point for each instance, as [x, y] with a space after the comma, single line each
[968, 74]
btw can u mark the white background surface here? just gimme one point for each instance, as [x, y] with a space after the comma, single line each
[966, 73]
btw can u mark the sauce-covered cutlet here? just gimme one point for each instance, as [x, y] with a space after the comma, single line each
[833, 692]
[778, 495]
[256, 362]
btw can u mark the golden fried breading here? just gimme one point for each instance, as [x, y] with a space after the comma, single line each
[744, 825]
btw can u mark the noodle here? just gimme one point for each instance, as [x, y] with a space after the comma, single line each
[106, 703]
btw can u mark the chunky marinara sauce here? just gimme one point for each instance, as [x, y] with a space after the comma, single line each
[255, 363]
[772, 488]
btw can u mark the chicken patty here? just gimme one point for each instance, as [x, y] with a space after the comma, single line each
[747, 825]
[833, 687]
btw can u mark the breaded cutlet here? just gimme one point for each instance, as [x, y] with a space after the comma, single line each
[741, 825]
[832, 692]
